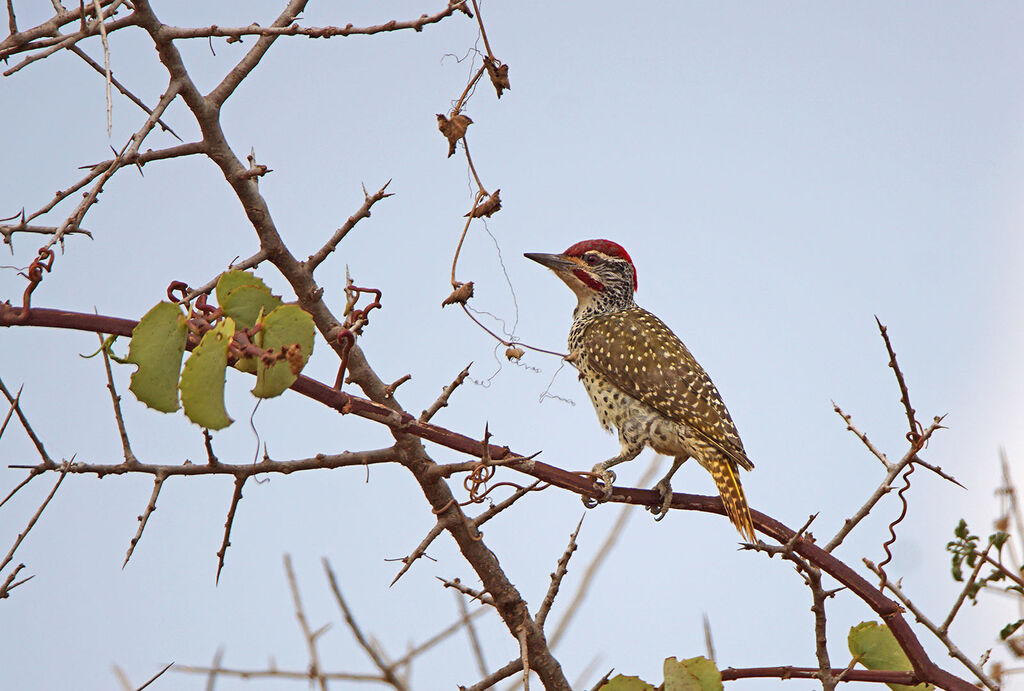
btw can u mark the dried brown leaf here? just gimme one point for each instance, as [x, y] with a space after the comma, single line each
[462, 293]
[453, 129]
[498, 73]
[514, 353]
[487, 207]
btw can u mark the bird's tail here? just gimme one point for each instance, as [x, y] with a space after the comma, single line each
[731, 491]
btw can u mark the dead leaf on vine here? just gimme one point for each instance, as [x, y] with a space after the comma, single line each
[488, 206]
[453, 129]
[514, 353]
[498, 73]
[462, 293]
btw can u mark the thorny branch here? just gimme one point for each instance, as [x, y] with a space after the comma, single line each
[380, 405]
[403, 424]
[954, 651]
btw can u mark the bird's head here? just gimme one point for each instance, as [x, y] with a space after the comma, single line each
[600, 272]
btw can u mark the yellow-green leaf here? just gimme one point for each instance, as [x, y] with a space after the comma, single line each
[245, 303]
[202, 380]
[287, 327]
[158, 342]
[230, 280]
[621, 683]
[693, 674]
[873, 645]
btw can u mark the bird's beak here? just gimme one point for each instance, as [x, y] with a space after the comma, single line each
[555, 262]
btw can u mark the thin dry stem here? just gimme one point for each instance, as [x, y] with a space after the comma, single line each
[875, 451]
[123, 89]
[235, 498]
[474, 639]
[126, 447]
[944, 627]
[362, 212]
[435, 639]
[387, 670]
[493, 678]
[158, 483]
[477, 595]
[308, 634]
[15, 401]
[954, 651]
[421, 549]
[595, 564]
[556, 577]
[884, 487]
[35, 517]
[106, 63]
[442, 400]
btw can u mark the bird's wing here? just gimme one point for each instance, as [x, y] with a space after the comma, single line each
[640, 355]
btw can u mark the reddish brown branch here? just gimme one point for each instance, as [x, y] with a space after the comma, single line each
[787, 672]
[402, 422]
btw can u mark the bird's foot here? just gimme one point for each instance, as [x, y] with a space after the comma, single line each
[605, 478]
[660, 509]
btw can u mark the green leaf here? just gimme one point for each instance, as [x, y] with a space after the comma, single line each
[229, 280]
[694, 674]
[1008, 630]
[288, 326]
[202, 380]
[621, 683]
[874, 646]
[999, 539]
[157, 345]
[243, 296]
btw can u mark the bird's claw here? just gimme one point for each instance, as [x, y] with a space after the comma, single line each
[604, 479]
[660, 510]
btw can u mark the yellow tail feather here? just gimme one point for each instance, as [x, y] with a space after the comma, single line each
[735, 501]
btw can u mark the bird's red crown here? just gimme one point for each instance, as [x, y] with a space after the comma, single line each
[612, 249]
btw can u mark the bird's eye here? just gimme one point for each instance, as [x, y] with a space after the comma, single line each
[590, 258]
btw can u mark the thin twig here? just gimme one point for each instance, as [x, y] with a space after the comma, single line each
[876, 452]
[813, 577]
[556, 577]
[307, 633]
[474, 639]
[524, 655]
[963, 593]
[123, 89]
[421, 548]
[158, 483]
[129, 457]
[954, 651]
[211, 680]
[915, 427]
[155, 676]
[235, 498]
[442, 400]
[884, 487]
[481, 597]
[15, 401]
[362, 212]
[386, 670]
[35, 517]
[435, 639]
[106, 62]
[498, 675]
[595, 564]
[298, 675]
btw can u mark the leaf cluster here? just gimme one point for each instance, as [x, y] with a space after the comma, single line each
[252, 330]
[964, 551]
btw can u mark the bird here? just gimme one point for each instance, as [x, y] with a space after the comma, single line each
[643, 381]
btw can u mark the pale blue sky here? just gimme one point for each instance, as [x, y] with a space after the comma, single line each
[780, 173]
